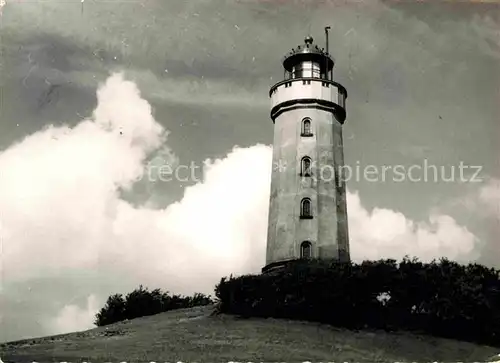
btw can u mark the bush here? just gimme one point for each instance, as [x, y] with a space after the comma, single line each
[441, 298]
[142, 302]
[113, 311]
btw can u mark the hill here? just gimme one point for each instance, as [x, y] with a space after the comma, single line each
[195, 334]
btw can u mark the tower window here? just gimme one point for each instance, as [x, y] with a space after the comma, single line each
[305, 249]
[306, 127]
[305, 209]
[305, 167]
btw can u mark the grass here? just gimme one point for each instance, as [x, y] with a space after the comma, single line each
[189, 335]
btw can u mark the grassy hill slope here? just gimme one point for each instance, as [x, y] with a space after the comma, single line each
[189, 335]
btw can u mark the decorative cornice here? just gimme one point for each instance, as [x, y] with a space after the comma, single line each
[316, 103]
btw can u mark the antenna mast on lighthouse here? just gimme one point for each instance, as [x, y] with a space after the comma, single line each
[327, 50]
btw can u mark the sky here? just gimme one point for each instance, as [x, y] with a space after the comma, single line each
[97, 97]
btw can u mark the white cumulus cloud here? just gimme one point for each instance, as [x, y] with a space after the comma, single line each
[74, 318]
[384, 233]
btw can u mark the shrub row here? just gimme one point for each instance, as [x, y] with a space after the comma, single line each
[441, 298]
[142, 302]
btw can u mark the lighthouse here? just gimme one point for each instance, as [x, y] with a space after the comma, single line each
[307, 210]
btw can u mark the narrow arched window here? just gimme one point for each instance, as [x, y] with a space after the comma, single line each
[305, 249]
[305, 208]
[306, 127]
[305, 167]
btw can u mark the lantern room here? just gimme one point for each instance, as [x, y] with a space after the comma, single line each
[308, 61]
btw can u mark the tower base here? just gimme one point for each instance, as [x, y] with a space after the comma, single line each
[276, 266]
[281, 265]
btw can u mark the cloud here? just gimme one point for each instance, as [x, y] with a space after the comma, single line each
[384, 233]
[489, 195]
[73, 318]
[61, 214]
[60, 185]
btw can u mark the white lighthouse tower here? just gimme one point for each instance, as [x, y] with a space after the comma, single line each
[308, 212]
